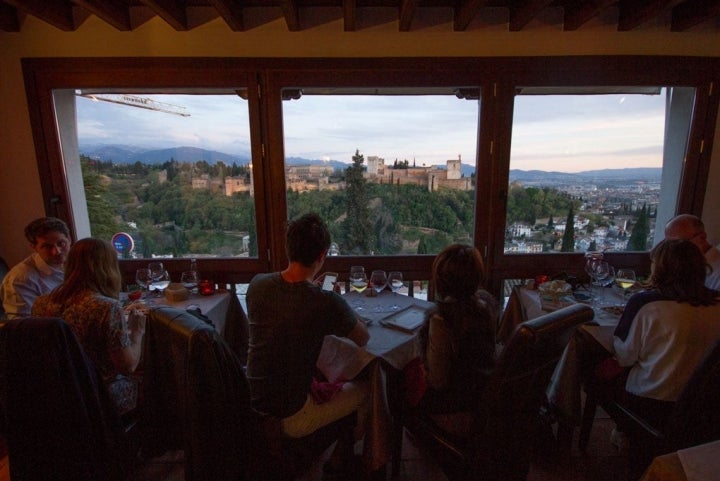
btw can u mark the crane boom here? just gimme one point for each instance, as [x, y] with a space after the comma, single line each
[136, 101]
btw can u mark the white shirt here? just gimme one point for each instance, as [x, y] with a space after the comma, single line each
[666, 342]
[712, 256]
[26, 281]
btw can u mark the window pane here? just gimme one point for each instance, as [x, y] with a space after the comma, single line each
[390, 174]
[173, 171]
[595, 163]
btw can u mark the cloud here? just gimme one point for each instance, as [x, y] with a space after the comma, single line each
[572, 133]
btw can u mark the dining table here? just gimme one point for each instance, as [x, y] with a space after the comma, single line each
[222, 308]
[382, 360]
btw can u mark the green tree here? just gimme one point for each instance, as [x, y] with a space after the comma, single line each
[640, 231]
[359, 228]
[101, 212]
[568, 240]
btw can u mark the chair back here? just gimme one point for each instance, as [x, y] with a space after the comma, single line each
[196, 397]
[60, 423]
[696, 416]
[509, 407]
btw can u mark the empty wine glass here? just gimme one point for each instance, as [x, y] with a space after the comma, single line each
[156, 269]
[189, 280]
[143, 278]
[160, 282]
[395, 279]
[378, 280]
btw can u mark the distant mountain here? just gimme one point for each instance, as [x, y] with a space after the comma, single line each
[128, 154]
[652, 174]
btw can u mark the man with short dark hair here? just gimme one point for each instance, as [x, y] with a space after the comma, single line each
[690, 227]
[40, 272]
[289, 318]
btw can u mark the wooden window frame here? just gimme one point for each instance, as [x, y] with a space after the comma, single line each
[265, 78]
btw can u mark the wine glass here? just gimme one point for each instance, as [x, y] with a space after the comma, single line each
[358, 279]
[160, 281]
[143, 278]
[625, 278]
[395, 279]
[358, 283]
[156, 269]
[378, 279]
[189, 280]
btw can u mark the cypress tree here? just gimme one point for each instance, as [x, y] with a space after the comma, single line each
[568, 240]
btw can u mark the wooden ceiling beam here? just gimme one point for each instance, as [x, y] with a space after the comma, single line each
[231, 11]
[578, 13]
[523, 11]
[59, 13]
[114, 12]
[634, 13]
[465, 12]
[349, 15]
[406, 14]
[9, 18]
[693, 12]
[172, 11]
[291, 12]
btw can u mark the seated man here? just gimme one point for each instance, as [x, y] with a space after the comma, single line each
[690, 227]
[289, 318]
[39, 273]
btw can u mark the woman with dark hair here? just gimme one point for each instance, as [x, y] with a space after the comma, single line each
[458, 337]
[665, 331]
[88, 300]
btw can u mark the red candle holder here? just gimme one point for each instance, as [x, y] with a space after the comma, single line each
[206, 288]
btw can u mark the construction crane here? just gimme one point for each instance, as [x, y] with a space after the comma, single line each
[135, 101]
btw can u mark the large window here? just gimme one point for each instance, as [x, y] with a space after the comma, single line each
[172, 171]
[586, 169]
[400, 156]
[392, 174]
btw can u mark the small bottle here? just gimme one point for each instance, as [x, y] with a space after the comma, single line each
[193, 266]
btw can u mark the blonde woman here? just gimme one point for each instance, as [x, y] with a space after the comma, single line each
[88, 300]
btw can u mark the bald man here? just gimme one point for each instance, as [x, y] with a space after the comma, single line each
[690, 227]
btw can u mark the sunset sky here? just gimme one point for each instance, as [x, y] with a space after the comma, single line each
[560, 133]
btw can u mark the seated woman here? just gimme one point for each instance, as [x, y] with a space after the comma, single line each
[88, 300]
[665, 331]
[458, 337]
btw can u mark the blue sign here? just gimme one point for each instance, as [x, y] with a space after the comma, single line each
[123, 243]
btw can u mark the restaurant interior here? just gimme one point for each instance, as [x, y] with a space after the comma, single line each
[488, 52]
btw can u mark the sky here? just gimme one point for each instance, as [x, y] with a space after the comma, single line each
[550, 132]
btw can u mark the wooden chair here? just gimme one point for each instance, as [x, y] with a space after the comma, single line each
[197, 399]
[695, 418]
[508, 411]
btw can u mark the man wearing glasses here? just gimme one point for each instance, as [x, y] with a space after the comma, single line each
[690, 227]
[40, 272]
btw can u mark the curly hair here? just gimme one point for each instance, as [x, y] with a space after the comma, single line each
[40, 227]
[91, 264]
[678, 272]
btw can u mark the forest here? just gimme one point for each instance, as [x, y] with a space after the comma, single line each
[158, 207]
